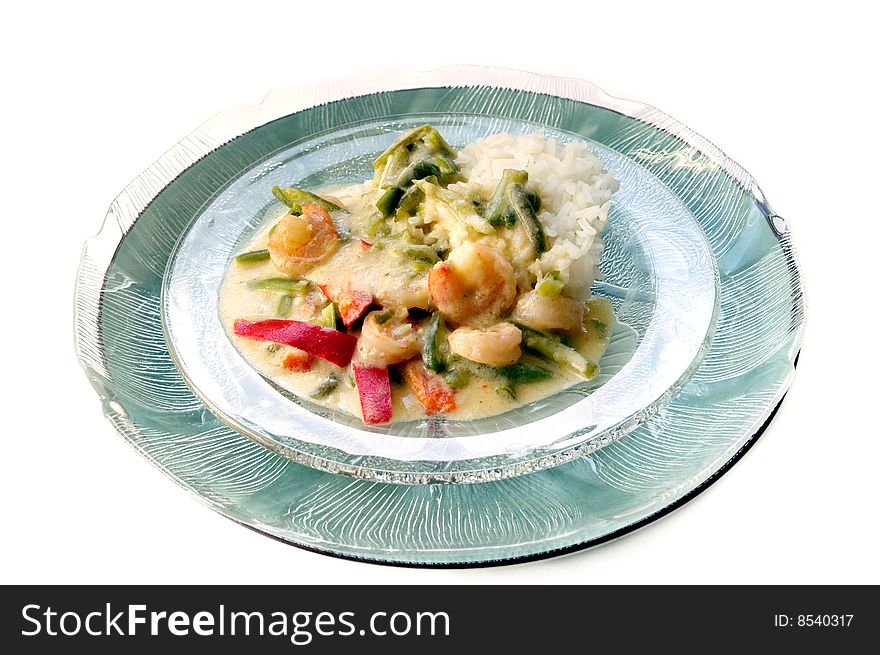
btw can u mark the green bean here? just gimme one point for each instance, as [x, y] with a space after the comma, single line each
[556, 351]
[404, 140]
[496, 206]
[456, 377]
[329, 317]
[551, 286]
[418, 170]
[285, 303]
[431, 351]
[253, 256]
[524, 373]
[388, 201]
[409, 202]
[291, 285]
[421, 253]
[325, 387]
[296, 198]
[522, 207]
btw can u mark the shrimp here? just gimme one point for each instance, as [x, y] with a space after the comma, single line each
[387, 339]
[474, 286]
[495, 346]
[299, 243]
[548, 312]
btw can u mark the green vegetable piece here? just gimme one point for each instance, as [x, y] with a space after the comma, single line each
[376, 224]
[525, 373]
[410, 201]
[417, 171]
[438, 143]
[291, 285]
[296, 198]
[422, 253]
[384, 316]
[551, 286]
[328, 317]
[534, 200]
[457, 378]
[506, 389]
[420, 266]
[404, 140]
[252, 256]
[447, 166]
[519, 203]
[474, 368]
[499, 199]
[388, 202]
[432, 353]
[272, 230]
[393, 168]
[556, 351]
[325, 387]
[285, 303]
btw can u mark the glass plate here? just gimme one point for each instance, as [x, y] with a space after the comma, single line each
[739, 382]
[659, 275]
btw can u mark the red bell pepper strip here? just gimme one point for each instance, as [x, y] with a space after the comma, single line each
[334, 346]
[430, 390]
[352, 305]
[374, 390]
[300, 362]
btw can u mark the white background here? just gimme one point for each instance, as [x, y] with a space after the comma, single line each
[93, 94]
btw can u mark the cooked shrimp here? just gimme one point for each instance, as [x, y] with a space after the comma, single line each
[388, 341]
[548, 312]
[299, 243]
[474, 286]
[495, 346]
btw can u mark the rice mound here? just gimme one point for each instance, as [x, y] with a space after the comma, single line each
[575, 190]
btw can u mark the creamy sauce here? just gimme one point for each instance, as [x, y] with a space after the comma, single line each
[378, 270]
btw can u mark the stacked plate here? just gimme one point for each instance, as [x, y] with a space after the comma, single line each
[701, 273]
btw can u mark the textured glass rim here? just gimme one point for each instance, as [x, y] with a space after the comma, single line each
[234, 122]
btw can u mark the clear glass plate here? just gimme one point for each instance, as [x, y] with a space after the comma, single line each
[746, 370]
[659, 274]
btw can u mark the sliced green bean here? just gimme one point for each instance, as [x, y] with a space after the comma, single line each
[330, 317]
[296, 198]
[388, 201]
[456, 377]
[253, 256]
[418, 170]
[522, 207]
[553, 349]
[325, 387]
[285, 304]
[496, 206]
[410, 200]
[551, 285]
[291, 285]
[404, 140]
[431, 350]
[525, 373]
[421, 253]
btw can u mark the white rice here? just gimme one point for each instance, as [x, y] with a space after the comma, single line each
[575, 191]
